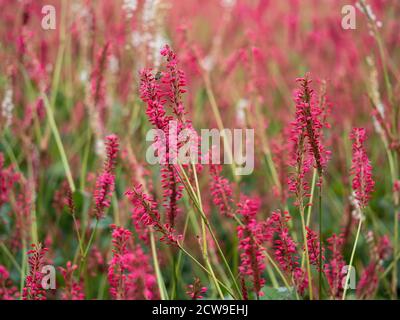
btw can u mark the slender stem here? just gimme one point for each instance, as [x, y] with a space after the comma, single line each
[218, 118]
[286, 283]
[303, 227]
[11, 257]
[177, 264]
[160, 279]
[205, 270]
[197, 230]
[309, 210]
[185, 180]
[78, 233]
[351, 258]
[59, 143]
[85, 160]
[204, 235]
[85, 253]
[23, 267]
[391, 266]
[91, 238]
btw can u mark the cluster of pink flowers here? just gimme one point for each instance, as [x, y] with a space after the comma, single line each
[33, 61]
[314, 250]
[105, 183]
[96, 261]
[250, 240]
[33, 289]
[130, 273]
[306, 135]
[150, 92]
[73, 290]
[117, 269]
[221, 191]
[333, 269]
[145, 210]
[369, 280]
[8, 177]
[368, 283]
[7, 290]
[97, 81]
[285, 249]
[361, 168]
[280, 150]
[172, 192]
[175, 82]
[196, 290]
[23, 213]
[158, 93]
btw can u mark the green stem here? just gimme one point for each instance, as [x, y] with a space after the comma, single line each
[23, 267]
[352, 258]
[185, 180]
[160, 279]
[309, 209]
[85, 160]
[11, 257]
[205, 270]
[59, 143]
[303, 228]
[204, 235]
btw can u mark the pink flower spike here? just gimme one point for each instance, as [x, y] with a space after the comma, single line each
[105, 183]
[33, 289]
[361, 169]
[250, 237]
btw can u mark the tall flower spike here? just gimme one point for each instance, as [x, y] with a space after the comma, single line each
[175, 80]
[172, 192]
[142, 283]
[314, 249]
[361, 168]
[33, 289]
[117, 269]
[97, 85]
[160, 93]
[221, 191]
[334, 267]
[112, 147]
[284, 246]
[130, 273]
[151, 94]
[105, 183]
[307, 138]
[250, 238]
[73, 289]
[285, 249]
